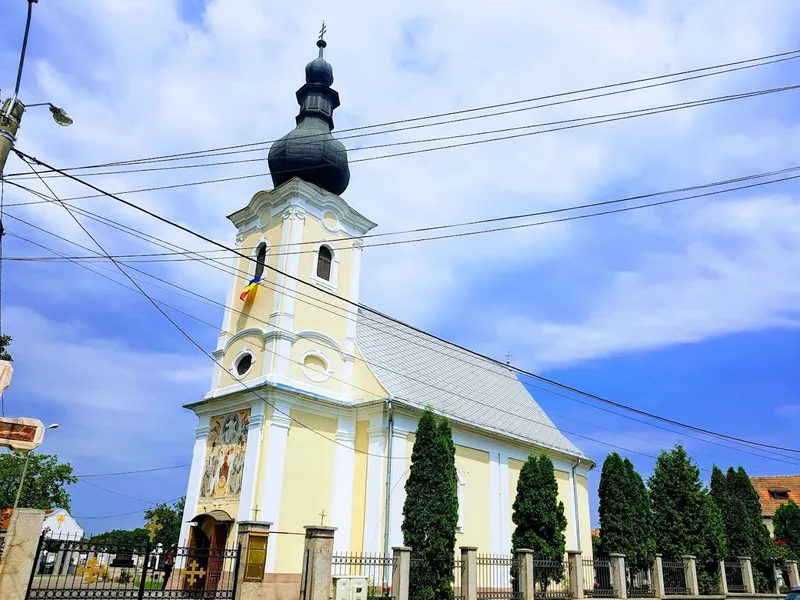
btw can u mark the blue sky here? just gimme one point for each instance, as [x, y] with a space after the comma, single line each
[688, 310]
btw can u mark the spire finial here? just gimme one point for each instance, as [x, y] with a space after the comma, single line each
[321, 43]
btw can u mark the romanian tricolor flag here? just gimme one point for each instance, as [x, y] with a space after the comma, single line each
[249, 288]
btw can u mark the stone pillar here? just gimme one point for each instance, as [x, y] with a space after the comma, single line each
[401, 572]
[747, 575]
[794, 576]
[690, 573]
[575, 558]
[469, 572]
[618, 574]
[525, 579]
[315, 581]
[252, 564]
[19, 552]
[723, 579]
[658, 577]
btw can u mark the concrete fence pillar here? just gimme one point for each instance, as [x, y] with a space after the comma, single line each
[618, 579]
[777, 578]
[723, 579]
[794, 575]
[658, 577]
[469, 572]
[315, 580]
[690, 573]
[401, 572]
[747, 575]
[525, 579]
[575, 560]
[19, 552]
[252, 539]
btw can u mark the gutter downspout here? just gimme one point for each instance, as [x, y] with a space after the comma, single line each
[576, 515]
[388, 505]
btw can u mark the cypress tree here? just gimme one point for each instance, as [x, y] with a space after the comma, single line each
[430, 512]
[787, 528]
[685, 518]
[626, 523]
[539, 516]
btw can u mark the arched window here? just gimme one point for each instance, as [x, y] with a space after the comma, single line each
[261, 260]
[324, 260]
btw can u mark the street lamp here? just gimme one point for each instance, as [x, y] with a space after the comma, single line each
[25, 470]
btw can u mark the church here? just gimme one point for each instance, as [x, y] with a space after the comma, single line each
[314, 400]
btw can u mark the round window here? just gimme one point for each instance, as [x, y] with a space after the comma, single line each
[315, 368]
[244, 363]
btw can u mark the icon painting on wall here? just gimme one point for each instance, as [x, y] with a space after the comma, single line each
[225, 448]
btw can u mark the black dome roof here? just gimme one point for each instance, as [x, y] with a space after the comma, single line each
[309, 151]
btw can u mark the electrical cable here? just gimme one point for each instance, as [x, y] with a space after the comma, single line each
[791, 54]
[695, 104]
[368, 309]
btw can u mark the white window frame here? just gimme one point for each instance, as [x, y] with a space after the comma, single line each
[312, 375]
[253, 263]
[333, 283]
[233, 370]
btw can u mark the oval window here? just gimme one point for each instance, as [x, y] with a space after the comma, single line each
[244, 363]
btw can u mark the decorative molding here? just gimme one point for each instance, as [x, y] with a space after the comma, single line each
[233, 370]
[258, 331]
[312, 334]
[312, 375]
[374, 432]
[201, 433]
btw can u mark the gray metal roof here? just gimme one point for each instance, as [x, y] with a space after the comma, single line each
[422, 371]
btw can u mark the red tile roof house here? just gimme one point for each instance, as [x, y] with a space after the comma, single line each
[774, 491]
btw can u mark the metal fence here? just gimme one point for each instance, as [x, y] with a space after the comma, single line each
[496, 577]
[458, 593]
[551, 579]
[734, 576]
[375, 568]
[597, 580]
[639, 582]
[674, 577]
[68, 569]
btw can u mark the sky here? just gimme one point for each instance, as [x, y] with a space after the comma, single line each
[689, 310]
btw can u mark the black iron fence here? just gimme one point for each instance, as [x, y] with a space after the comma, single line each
[375, 568]
[639, 582]
[496, 577]
[458, 592]
[674, 577]
[734, 576]
[76, 569]
[418, 569]
[597, 580]
[551, 579]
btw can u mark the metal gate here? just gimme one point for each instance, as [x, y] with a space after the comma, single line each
[85, 570]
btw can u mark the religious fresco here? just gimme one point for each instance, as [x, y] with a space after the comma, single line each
[225, 448]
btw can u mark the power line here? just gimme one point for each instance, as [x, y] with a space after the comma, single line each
[640, 113]
[466, 350]
[792, 54]
[133, 512]
[134, 471]
[110, 491]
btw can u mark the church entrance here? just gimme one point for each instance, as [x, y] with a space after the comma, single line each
[208, 540]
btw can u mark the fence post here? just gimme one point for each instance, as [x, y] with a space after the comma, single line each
[20, 553]
[401, 570]
[794, 575]
[525, 575]
[469, 572]
[723, 578]
[575, 558]
[777, 577]
[618, 574]
[690, 573]
[747, 575]
[658, 577]
[252, 554]
[316, 581]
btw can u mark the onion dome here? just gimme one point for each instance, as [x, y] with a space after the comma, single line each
[309, 151]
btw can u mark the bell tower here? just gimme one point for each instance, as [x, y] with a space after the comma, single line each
[292, 328]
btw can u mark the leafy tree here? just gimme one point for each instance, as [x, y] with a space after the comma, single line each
[430, 512]
[171, 518]
[626, 520]
[45, 481]
[122, 537]
[787, 527]
[5, 340]
[539, 516]
[685, 518]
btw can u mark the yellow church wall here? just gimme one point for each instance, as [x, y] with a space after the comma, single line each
[253, 341]
[565, 496]
[514, 467]
[359, 503]
[307, 483]
[583, 513]
[474, 467]
[365, 385]
[335, 363]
